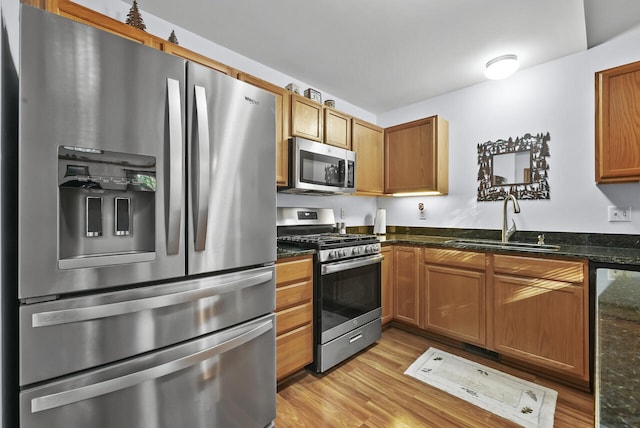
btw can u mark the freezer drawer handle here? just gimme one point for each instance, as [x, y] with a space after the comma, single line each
[101, 388]
[201, 170]
[173, 177]
[65, 316]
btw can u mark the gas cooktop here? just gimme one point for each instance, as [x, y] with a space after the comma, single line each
[328, 239]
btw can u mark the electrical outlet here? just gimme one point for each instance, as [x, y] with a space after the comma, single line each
[619, 213]
[422, 214]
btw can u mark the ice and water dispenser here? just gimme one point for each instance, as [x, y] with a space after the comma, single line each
[106, 207]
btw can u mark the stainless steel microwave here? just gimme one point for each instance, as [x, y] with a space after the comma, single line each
[320, 168]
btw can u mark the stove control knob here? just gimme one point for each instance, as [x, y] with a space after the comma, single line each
[333, 254]
[343, 253]
[368, 249]
[356, 251]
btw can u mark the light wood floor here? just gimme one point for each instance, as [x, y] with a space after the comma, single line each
[371, 390]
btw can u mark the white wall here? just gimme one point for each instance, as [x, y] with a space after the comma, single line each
[160, 28]
[556, 97]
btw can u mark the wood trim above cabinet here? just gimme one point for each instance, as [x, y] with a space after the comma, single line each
[177, 50]
[93, 18]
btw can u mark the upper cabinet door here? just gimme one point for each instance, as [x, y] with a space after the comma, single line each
[417, 156]
[618, 124]
[337, 128]
[368, 143]
[306, 118]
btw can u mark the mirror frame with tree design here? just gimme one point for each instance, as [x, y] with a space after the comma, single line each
[537, 186]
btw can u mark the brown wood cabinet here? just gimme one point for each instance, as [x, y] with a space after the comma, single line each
[283, 98]
[406, 285]
[541, 313]
[294, 315]
[454, 294]
[307, 118]
[368, 143]
[618, 124]
[387, 284]
[337, 128]
[417, 156]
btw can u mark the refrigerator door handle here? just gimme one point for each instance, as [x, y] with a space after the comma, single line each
[173, 177]
[71, 396]
[66, 316]
[201, 169]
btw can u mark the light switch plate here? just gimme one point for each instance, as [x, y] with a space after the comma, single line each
[619, 213]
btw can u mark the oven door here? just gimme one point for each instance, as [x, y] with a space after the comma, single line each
[349, 295]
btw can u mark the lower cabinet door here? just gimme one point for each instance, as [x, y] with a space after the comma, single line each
[455, 303]
[541, 322]
[294, 350]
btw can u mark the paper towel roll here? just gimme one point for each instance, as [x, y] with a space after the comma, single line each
[380, 222]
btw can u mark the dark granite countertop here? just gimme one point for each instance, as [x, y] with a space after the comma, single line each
[284, 252]
[607, 249]
[601, 254]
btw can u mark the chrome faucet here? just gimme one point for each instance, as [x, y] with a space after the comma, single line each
[506, 233]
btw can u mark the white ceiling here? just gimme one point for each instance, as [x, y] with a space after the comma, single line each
[384, 54]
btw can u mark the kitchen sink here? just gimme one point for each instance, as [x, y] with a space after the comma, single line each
[495, 244]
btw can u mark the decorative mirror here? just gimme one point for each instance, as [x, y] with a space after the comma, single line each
[514, 166]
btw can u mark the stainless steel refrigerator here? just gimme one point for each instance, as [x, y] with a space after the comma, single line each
[143, 269]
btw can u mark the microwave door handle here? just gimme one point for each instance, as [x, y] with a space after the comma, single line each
[173, 176]
[98, 389]
[201, 169]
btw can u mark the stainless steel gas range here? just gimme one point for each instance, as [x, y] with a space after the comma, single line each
[347, 281]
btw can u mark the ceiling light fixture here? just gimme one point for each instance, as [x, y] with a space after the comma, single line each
[501, 67]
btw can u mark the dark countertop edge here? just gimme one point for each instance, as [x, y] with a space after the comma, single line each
[287, 252]
[604, 254]
[623, 256]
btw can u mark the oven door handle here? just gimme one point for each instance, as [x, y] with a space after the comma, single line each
[330, 268]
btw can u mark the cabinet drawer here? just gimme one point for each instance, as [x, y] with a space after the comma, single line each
[293, 294]
[294, 350]
[294, 317]
[559, 270]
[465, 259]
[295, 270]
